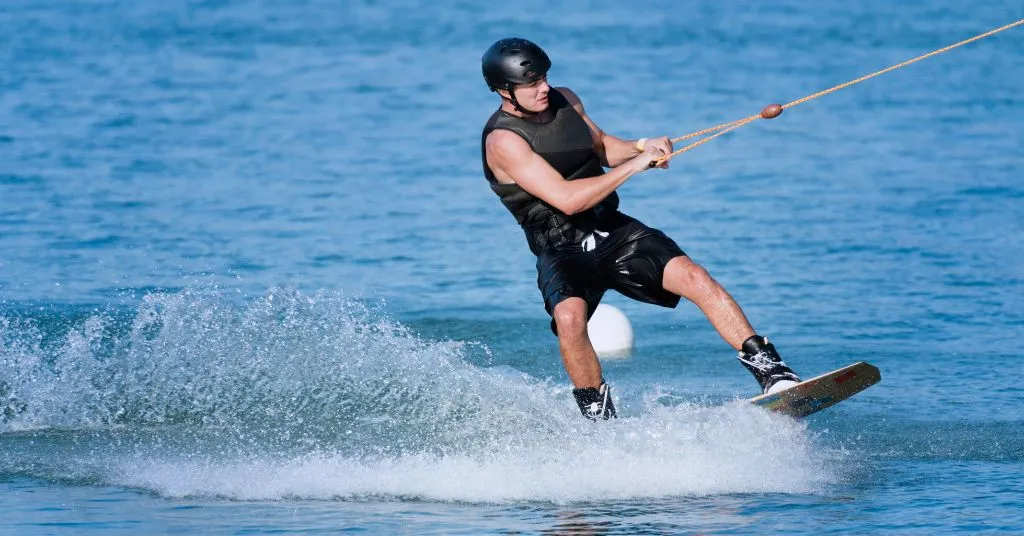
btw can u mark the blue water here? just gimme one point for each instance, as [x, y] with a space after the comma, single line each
[252, 279]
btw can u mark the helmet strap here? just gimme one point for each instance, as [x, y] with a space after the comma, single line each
[512, 97]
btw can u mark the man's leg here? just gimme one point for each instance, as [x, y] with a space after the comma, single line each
[580, 360]
[578, 353]
[646, 265]
[689, 280]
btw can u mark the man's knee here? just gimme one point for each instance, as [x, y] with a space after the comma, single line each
[696, 274]
[687, 275]
[570, 316]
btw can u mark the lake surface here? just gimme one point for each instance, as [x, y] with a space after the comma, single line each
[252, 279]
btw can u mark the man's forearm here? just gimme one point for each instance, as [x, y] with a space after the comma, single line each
[586, 193]
[617, 151]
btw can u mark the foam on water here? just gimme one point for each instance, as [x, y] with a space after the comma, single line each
[320, 397]
[691, 452]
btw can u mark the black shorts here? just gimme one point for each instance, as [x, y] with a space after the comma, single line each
[630, 258]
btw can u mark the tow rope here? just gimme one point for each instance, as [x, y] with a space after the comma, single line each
[774, 110]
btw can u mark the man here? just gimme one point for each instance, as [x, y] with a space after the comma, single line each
[545, 159]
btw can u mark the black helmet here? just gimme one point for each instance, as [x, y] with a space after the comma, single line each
[514, 61]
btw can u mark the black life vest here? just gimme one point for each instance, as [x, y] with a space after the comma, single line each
[566, 144]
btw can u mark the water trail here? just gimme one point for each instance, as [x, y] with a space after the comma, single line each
[317, 396]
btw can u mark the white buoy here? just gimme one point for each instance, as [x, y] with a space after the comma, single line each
[610, 332]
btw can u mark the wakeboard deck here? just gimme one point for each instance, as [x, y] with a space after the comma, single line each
[813, 395]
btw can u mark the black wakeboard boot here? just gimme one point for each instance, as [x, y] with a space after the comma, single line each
[761, 359]
[595, 402]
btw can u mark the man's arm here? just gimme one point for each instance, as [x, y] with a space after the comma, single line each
[612, 150]
[513, 161]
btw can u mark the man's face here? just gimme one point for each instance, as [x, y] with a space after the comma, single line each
[533, 96]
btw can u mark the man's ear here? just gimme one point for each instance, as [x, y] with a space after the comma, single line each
[504, 94]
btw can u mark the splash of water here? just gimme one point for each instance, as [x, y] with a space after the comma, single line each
[667, 452]
[320, 397]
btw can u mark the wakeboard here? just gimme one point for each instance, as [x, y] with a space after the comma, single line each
[813, 395]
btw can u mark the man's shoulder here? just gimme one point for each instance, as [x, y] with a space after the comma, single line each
[497, 128]
[492, 121]
[569, 95]
[504, 139]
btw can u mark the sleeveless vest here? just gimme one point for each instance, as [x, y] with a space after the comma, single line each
[566, 144]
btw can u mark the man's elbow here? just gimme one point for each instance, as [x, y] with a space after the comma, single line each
[602, 152]
[570, 206]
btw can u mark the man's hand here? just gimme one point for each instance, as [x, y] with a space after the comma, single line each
[654, 150]
[662, 143]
